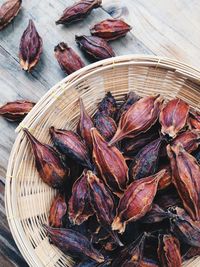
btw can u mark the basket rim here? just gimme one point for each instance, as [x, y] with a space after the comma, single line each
[181, 68]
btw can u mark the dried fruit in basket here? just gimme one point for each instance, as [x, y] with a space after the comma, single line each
[110, 29]
[94, 46]
[78, 11]
[16, 110]
[30, 47]
[48, 163]
[67, 58]
[108, 105]
[57, 211]
[70, 144]
[8, 11]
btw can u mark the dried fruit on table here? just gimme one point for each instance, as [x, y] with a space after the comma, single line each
[16, 110]
[48, 163]
[110, 29]
[110, 163]
[94, 46]
[78, 11]
[67, 58]
[70, 144]
[173, 117]
[8, 11]
[79, 204]
[84, 125]
[194, 120]
[73, 243]
[57, 211]
[156, 214]
[169, 251]
[136, 201]
[30, 47]
[185, 177]
[139, 118]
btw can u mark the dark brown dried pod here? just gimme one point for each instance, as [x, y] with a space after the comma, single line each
[108, 105]
[105, 125]
[8, 11]
[70, 144]
[48, 163]
[139, 118]
[84, 125]
[30, 47]
[78, 11]
[156, 214]
[110, 29]
[110, 163]
[16, 110]
[194, 120]
[169, 251]
[79, 204]
[191, 253]
[67, 58]
[94, 46]
[168, 198]
[57, 211]
[73, 243]
[190, 140]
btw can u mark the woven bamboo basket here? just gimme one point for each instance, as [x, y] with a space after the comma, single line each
[27, 198]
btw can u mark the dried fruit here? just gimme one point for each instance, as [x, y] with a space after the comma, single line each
[94, 46]
[166, 180]
[185, 177]
[78, 11]
[108, 105]
[191, 253]
[84, 125]
[30, 47]
[70, 144]
[73, 243]
[105, 125]
[8, 11]
[48, 163]
[190, 140]
[136, 201]
[110, 29]
[194, 120]
[148, 263]
[17, 110]
[156, 214]
[139, 118]
[173, 117]
[57, 211]
[110, 163]
[79, 204]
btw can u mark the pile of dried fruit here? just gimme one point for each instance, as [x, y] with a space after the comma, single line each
[128, 183]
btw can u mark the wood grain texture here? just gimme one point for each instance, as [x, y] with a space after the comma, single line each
[165, 28]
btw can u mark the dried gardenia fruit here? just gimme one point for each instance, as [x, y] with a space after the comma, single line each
[57, 211]
[108, 105]
[73, 243]
[94, 46]
[194, 120]
[185, 177]
[17, 110]
[67, 58]
[78, 11]
[166, 180]
[105, 125]
[8, 11]
[30, 47]
[110, 29]
[173, 117]
[169, 251]
[156, 214]
[136, 201]
[70, 144]
[79, 204]
[48, 163]
[84, 125]
[139, 118]
[110, 163]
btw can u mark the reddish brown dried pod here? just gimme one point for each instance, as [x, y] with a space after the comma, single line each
[79, 204]
[139, 118]
[136, 201]
[30, 47]
[191, 253]
[190, 140]
[16, 110]
[173, 117]
[48, 163]
[94, 46]
[8, 11]
[166, 180]
[78, 11]
[105, 125]
[57, 211]
[108, 105]
[110, 29]
[185, 177]
[67, 58]
[110, 163]
[194, 120]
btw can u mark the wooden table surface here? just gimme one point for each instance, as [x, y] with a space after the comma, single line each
[160, 27]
